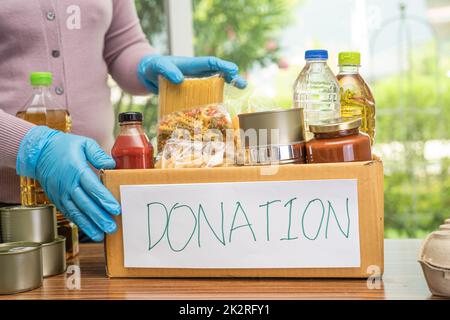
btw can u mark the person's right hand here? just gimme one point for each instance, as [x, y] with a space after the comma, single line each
[59, 161]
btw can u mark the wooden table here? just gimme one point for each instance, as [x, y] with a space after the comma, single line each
[403, 279]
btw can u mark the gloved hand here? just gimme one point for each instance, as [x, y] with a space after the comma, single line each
[59, 162]
[174, 69]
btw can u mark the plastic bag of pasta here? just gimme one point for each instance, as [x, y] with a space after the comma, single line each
[179, 153]
[196, 138]
[197, 122]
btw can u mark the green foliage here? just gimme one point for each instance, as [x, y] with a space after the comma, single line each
[423, 101]
[416, 205]
[152, 17]
[241, 31]
[412, 110]
[245, 32]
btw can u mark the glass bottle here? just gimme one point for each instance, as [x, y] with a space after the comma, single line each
[316, 90]
[132, 149]
[356, 98]
[338, 140]
[41, 109]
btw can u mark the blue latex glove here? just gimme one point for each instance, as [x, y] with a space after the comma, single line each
[59, 161]
[175, 68]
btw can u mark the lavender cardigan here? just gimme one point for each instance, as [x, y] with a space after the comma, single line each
[80, 42]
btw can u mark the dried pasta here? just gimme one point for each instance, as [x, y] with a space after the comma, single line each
[192, 93]
[195, 123]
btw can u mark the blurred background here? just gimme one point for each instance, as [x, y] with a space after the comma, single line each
[405, 48]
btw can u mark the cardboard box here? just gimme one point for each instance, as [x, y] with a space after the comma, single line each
[369, 177]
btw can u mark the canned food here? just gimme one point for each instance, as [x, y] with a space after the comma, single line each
[21, 267]
[54, 257]
[272, 137]
[287, 126]
[34, 224]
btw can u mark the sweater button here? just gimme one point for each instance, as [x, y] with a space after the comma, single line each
[51, 16]
[55, 53]
[59, 91]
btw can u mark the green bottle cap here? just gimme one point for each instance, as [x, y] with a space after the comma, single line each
[41, 79]
[349, 58]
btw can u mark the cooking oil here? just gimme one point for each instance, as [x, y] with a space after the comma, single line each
[42, 110]
[355, 95]
[31, 191]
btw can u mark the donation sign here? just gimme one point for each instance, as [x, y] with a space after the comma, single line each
[267, 224]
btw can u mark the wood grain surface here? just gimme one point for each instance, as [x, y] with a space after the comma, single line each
[403, 279]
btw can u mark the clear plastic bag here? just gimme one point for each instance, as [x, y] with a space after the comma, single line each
[197, 122]
[180, 153]
[196, 138]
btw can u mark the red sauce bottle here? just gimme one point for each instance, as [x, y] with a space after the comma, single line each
[132, 149]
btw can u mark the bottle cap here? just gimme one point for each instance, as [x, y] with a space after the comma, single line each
[316, 54]
[130, 117]
[349, 58]
[41, 79]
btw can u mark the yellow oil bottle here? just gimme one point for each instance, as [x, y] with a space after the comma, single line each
[42, 110]
[355, 95]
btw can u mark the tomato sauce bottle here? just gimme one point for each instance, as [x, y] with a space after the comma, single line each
[132, 149]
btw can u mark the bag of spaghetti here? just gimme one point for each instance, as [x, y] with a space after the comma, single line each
[196, 138]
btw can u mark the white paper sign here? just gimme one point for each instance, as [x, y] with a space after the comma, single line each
[282, 224]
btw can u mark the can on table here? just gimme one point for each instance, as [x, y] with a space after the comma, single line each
[21, 267]
[54, 257]
[33, 224]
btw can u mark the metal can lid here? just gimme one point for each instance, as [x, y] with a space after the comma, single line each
[58, 239]
[288, 126]
[335, 125]
[10, 248]
[28, 208]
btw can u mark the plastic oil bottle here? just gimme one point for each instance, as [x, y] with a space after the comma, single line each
[41, 109]
[316, 90]
[356, 98]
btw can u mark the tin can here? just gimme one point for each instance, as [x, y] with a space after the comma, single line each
[21, 267]
[33, 224]
[273, 136]
[54, 257]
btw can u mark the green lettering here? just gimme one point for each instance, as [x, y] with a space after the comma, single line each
[150, 246]
[201, 211]
[248, 224]
[172, 211]
[331, 209]
[321, 219]
[290, 220]
[267, 217]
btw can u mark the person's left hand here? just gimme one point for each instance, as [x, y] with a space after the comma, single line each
[59, 161]
[175, 68]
